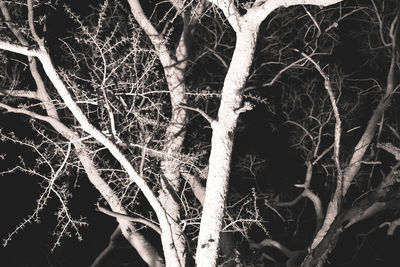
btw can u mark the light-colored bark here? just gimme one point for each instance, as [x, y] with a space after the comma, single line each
[174, 71]
[224, 127]
[41, 92]
[222, 142]
[169, 248]
[175, 133]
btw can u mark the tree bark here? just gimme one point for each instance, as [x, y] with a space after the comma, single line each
[221, 150]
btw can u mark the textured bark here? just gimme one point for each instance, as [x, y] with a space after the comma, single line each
[174, 136]
[174, 71]
[227, 239]
[246, 28]
[222, 143]
[169, 248]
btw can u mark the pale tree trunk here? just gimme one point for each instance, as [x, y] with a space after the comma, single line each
[227, 239]
[174, 71]
[145, 250]
[222, 142]
[174, 137]
[175, 133]
[246, 28]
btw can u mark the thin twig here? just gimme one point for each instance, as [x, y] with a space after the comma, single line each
[200, 111]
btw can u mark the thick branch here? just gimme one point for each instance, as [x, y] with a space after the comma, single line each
[384, 196]
[20, 49]
[31, 23]
[390, 148]
[156, 38]
[262, 8]
[230, 12]
[198, 189]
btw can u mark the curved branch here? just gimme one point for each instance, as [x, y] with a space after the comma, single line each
[200, 111]
[129, 218]
[20, 49]
[262, 8]
[335, 202]
[292, 255]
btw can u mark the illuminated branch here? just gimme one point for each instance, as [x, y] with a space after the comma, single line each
[31, 22]
[129, 218]
[20, 49]
[388, 147]
[309, 194]
[20, 93]
[200, 111]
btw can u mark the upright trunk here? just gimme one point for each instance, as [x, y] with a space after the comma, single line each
[221, 149]
[174, 136]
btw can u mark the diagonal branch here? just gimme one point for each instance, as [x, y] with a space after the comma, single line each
[156, 38]
[52, 74]
[335, 202]
[129, 218]
[200, 111]
[262, 8]
[20, 49]
[31, 23]
[230, 12]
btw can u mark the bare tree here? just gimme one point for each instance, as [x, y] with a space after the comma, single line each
[120, 96]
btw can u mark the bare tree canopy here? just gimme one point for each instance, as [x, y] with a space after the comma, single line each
[200, 133]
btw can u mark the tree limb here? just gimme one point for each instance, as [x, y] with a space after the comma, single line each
[129, 218]
[200, 111]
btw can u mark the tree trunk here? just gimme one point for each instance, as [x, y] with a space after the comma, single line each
[221, 149]
[174, 137]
